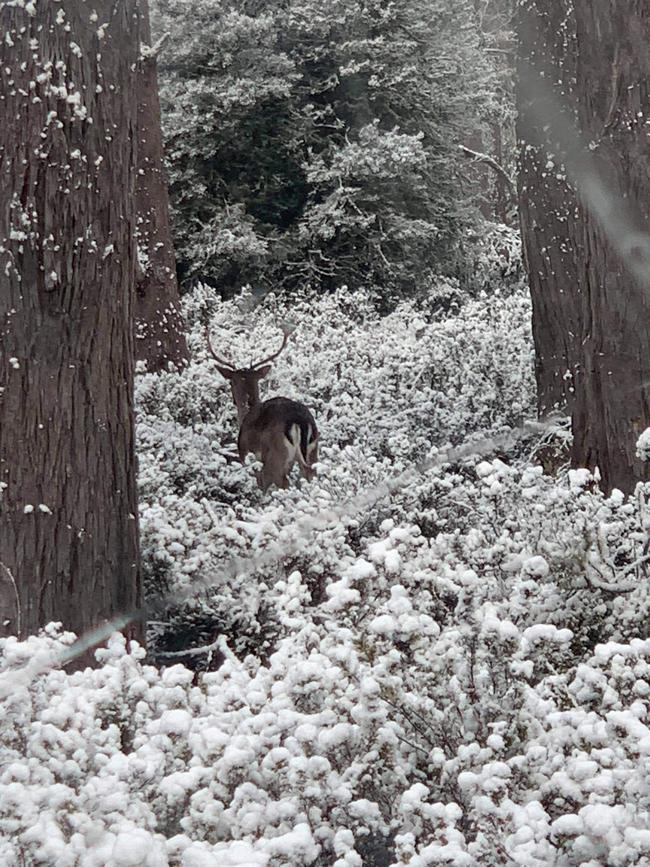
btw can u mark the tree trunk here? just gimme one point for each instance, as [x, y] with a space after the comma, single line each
[613, 81]
[68, 510]
[547, 202]
[160, 330]
[603, 264]
[503, 196]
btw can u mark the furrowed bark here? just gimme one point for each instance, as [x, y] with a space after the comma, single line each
[159, 325]
[613, 79]
[547, 201]
[589, 256]
[68, 510]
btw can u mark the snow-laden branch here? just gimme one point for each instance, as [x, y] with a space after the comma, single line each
[599, 582]
[148, 52]
[479, 157]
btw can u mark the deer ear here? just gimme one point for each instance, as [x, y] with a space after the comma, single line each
[225, 372]
[262, 371]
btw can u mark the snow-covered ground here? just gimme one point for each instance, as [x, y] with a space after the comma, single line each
[434, 653]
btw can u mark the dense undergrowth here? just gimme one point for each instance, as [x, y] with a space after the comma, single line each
[432, 653]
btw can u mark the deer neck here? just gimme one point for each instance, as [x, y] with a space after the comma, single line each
[249, 403]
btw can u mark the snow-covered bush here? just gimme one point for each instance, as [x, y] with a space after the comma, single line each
[432, 653]
[643, 445]
[384, 390]
[493, 259]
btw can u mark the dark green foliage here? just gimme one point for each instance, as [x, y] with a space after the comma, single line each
[316, 142]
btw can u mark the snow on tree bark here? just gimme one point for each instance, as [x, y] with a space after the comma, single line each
[160, 330]
[598, 317]
[68, 509]
[613, 395]
[547, 202]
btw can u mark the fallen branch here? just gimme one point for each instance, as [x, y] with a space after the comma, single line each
[192, 651]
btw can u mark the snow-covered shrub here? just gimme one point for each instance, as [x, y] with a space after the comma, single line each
[432, 653]
[426, 710]
[493, 259]
[643, 445]
[384, 391]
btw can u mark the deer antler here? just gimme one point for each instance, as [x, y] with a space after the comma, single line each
[216, 357]
[287, 331]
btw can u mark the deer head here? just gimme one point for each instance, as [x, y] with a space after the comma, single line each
[278, 431]
[245, 381]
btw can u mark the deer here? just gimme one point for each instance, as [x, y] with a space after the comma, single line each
[278, 431]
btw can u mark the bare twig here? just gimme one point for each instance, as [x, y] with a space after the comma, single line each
[149, 52]
[12, 581]
[479, 157]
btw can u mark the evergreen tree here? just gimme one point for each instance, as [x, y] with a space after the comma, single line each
[317, 142]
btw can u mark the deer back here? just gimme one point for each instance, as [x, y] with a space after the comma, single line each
[280, 432]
